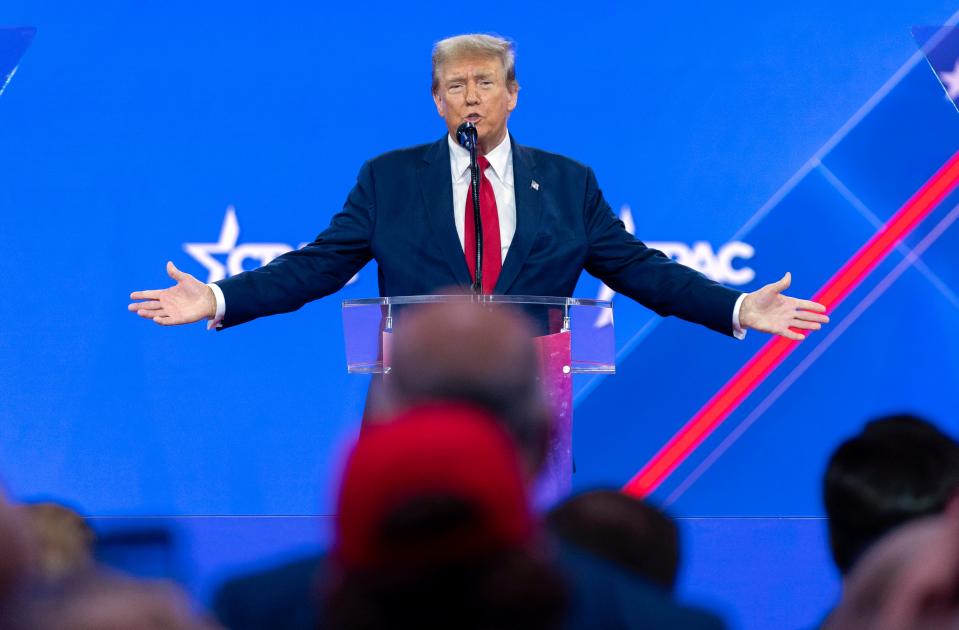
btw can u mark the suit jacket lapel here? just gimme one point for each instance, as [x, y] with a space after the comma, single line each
[437, 186]
[529, 212]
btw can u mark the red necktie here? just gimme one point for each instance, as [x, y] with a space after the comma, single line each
[492, 252]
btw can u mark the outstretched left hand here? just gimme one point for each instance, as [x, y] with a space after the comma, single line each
[768, 310]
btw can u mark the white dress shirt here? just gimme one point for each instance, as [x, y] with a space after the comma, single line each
[500, 175]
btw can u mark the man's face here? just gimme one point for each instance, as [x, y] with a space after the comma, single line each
[474, 89]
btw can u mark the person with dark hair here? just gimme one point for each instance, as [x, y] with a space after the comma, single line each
[907, 581]
[434, 530]
[897, 469]
[622, 529]
[621, 557]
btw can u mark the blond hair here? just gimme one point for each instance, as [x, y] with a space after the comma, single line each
[475, 44]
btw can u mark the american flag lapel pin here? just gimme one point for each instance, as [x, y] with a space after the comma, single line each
[534, 185]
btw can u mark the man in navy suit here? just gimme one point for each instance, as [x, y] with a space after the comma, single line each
[542, 213]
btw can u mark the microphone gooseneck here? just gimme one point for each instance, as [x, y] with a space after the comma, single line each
[467, 138]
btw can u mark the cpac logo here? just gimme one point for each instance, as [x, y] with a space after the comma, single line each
[236, 255]
[716, 265]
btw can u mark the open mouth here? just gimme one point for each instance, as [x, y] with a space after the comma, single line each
[473, 118]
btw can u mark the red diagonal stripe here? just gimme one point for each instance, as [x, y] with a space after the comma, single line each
[774, 352]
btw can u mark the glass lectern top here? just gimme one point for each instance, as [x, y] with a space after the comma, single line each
[478, 299]
[368, 324]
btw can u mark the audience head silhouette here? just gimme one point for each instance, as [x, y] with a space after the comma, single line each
[897, 469]
[623, 530]
[907, 581]
[434, 529]
[470, 353]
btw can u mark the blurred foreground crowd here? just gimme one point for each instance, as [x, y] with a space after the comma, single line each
[434, 527]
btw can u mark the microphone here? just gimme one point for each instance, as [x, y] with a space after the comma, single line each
[467, 138]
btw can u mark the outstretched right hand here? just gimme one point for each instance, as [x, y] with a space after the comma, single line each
[188, 301]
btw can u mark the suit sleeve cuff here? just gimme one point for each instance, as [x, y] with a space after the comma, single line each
[738, 331]
[217, 320]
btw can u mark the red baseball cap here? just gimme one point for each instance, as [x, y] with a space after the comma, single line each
[447, 450]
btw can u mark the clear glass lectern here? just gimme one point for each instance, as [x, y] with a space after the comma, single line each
[574, 336]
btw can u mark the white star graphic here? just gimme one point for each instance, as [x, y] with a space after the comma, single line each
[236, 256]
[717, 265]
[229, 233]
[950, 81]
[262, 253]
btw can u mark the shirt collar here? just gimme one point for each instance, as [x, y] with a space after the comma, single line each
[499, 158]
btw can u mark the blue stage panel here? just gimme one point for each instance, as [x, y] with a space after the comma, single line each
[776, 467]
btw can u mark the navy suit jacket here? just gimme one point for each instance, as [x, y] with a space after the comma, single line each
[400, 213]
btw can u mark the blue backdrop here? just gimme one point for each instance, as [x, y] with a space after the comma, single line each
[749, 139]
